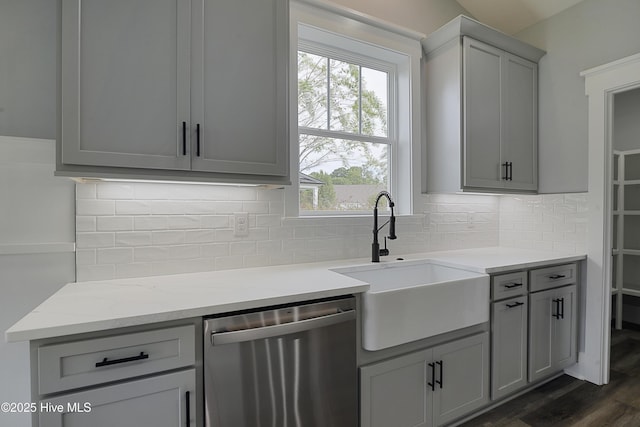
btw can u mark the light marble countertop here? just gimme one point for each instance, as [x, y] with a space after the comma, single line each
[99, 305]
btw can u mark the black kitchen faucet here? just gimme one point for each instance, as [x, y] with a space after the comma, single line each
[376, 252]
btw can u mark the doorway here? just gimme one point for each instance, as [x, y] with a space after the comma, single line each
[601, 84]
[625, 290]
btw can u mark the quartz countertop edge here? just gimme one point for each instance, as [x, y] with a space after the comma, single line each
[92, 306]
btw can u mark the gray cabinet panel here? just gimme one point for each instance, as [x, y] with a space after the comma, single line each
[394, 393]
[125, 82]
[158, 401]
[426, 388]
[509, 346]
[520, 127]
[239, 93]
[464, 379]
[482, 115]
[552, 331]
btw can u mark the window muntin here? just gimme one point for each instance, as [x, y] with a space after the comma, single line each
[344, 132]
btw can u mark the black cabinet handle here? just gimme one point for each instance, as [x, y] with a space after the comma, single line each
[515, 304]
[184, 138]
[439, 362]
[557, 313]
[513, 285]
[506, 171]
[510, 171]
[198, 140]
[557, 276]
[107, 362]
[562, 308]
[187, 399]
[433, 376]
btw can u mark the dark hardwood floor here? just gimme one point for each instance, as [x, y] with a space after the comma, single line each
[567, 401]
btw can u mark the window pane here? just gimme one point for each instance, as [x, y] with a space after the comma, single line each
[312, 91]
[375, 96]
[344, 95]
[341, 175]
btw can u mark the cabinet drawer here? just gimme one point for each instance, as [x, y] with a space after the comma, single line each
[552, 277]
[83, 363]
[508, 285]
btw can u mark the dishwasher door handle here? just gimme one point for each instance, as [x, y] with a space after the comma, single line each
[219, 338]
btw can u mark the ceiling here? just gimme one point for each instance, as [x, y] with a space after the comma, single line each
[512, 16]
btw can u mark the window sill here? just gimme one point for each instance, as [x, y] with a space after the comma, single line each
[348, 219]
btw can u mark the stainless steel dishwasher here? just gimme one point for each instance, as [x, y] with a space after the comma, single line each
[288, 366]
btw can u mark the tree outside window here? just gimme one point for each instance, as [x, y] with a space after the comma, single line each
[343, 134]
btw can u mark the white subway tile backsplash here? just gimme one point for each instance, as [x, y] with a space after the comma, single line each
[142, 223]
[85, 223]
[138, 229]
[553, 222]
[115, 191]
[151, 253]
[132, 207]
[95, 240]
[114, 223]
[134, 238]
[95, 207]
[114, 256]
[171, 237]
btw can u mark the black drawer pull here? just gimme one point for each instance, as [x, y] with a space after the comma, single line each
[557, 276]
[187, 398]
[515, 304]
[107, 362]
[513, 285]
[439, 362]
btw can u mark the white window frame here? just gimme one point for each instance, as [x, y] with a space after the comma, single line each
[346, 35]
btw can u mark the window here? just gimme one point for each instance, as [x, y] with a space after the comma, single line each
[343, 132]
[357, 117]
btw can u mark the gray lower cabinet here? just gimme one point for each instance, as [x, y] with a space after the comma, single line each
[159, 401]
[426, 388]
[127, 378]
[552, 331]
[174, 89]
[509, 346]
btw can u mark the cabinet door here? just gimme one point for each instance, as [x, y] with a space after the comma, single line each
[393, 393]
[157, 401]
[552, 335]
[125, 83]
[462, 369]
[519, 145]
[482, 74]
[565, 332]
[239, 87]
[508, 346]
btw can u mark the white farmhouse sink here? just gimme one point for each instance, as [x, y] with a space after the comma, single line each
[411, 300]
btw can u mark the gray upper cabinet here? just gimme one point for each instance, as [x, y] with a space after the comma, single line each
[240, 86]
[125, 82]
[481, 110]
[175, 89]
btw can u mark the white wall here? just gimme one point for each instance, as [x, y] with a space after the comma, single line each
[36, 250]
[424, 16]
[592, 33]
[626, 120]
